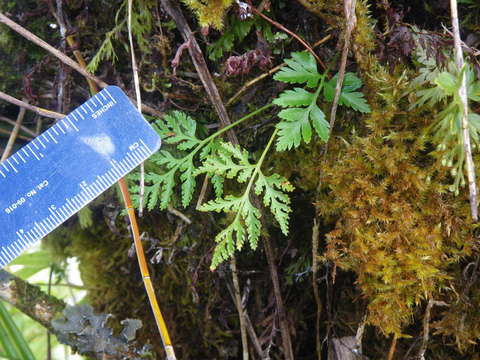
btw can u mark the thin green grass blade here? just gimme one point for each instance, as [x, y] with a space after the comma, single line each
[14, 334]
[9, 351]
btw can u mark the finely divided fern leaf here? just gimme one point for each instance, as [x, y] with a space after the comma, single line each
[177, 129]
[273, 188]
[232, 162]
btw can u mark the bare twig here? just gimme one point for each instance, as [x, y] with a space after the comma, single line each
[62, 57]
[13, 134]
[179, 214]
[462, 92]
[136, 82]
[241, 312]
[351, 20]
[426, 330]
[248, 324]
[393, 347]
[316, 292]
[35, 109]
[21, 137]
[359, 335]
[13, 123]
[426, 327]
[41, 307]
[200, 65]
[291, 33]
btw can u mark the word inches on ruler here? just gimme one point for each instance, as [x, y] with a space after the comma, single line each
[66, 167]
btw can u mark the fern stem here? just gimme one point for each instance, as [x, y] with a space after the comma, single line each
[239, 121]
[260, 161]
[221, 131]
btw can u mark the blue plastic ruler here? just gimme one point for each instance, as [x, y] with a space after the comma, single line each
[63, 169]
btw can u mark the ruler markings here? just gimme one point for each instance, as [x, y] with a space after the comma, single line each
[110, 96]
[17, 249]
[96, 188]
[55, 216]
[51, 137]
[145, 152]
[64, 214]
[60, 128]
[80, 114]
[87, 190]
[33, 152]
[100, 179]
[136, 157]
[34, 231]
[20, 156]
[133, 160]
[83, 198]
[11, 165]
[61, 173]
[38, 230]
[73, 125]
[119, 165]
[45, 228]
[5, 256]
[52, 224]
[20, 236]
[117, 172]
[145, 145]
[41, 143]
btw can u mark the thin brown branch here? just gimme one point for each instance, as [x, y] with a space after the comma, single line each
[21, 137]
[58, 54]
[316, 292]
[359, 334]
[241, 311]
[393, 348]
[351, 20]
[35, 109]
[136, 82]
[200, 65]
[291, 33]
[13, 134]
[64, 58]
[30, 300]
[22, 128]
[462, 92]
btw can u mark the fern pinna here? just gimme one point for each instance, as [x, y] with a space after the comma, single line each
[186, 156]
